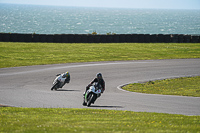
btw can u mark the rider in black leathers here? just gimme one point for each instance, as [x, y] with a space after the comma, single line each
[101, 83]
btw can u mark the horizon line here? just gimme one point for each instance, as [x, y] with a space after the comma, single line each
[100, 6]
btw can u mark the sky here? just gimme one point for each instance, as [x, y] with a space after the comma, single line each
[153, 4]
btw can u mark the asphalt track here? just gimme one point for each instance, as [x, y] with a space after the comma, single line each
[30, 86]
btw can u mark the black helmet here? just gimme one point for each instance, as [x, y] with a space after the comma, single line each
[99, 76]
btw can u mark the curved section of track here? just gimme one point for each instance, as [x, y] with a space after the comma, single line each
[30, 86]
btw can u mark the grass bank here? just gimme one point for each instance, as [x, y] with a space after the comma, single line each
[14, 54]
[86, 120]
[89, 120]
[184, 86]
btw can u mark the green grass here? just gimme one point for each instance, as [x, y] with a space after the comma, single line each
[185, 86]
[89, 120]
[13, 54]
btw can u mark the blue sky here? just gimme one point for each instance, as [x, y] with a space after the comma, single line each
[159, 4]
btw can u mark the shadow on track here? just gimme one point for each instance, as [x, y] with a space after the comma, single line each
[5, 105]
[66, 90]
[98, 106]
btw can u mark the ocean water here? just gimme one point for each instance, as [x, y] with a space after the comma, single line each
[83, 20]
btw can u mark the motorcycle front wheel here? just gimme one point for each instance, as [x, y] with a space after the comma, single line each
[54, 86]
[91, 99]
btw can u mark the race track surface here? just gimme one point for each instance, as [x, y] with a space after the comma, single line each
[30, 86]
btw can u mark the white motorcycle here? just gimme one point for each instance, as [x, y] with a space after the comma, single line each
[92, 94]
[58, 82]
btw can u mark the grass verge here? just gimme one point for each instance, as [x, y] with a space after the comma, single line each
[13, 54]
[86, 120]
[184, 86]
[89, 120]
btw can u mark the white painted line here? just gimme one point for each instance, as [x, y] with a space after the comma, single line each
[72, 66]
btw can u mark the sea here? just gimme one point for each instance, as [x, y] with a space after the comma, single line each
[40, 19]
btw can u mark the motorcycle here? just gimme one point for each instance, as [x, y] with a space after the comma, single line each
[58, 82]
[92, 94]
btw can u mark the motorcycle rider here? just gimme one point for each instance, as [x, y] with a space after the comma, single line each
[100, 81]
[65, 75]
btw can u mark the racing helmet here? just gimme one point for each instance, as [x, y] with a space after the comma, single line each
[66, 74]
[99, 76]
